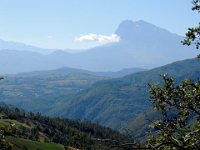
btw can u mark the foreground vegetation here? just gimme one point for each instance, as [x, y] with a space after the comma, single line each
[27, 125]
[178, 126]
[26, 144]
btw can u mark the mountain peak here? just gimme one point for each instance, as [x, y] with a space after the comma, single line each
[131, 23]
[130, 31]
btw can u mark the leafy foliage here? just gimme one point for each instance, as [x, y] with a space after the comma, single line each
[179, 104]
[4, 144]
[193, 34]
[176, 131]
[4, 131]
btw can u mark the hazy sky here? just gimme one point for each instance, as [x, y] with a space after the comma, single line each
[60, 23]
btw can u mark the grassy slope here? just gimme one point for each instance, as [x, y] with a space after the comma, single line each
[25, 144]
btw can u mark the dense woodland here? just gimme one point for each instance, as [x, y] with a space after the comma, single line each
[84, 135]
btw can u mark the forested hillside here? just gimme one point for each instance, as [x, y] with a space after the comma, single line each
[113, 102]
[35, 127]
[116, 102]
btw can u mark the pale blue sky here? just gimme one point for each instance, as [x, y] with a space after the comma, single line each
[56, 23]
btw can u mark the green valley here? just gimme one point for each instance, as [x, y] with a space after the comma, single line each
[93, 75]
[39, 92]
[110, 102]
[116, 102]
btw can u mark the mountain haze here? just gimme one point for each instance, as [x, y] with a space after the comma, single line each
[142, 45]
[9, 45]
[115, 102]
[110, 102]
[67, 70]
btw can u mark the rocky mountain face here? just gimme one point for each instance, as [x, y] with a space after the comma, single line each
[142, 45]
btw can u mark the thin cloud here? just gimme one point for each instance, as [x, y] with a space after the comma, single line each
[49, 37]
[98, 38]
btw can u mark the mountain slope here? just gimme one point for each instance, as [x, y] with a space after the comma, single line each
[8, 45]
[142, 45]
[37, 92]
[33, 132]
[115, 102]
[67, 70]
[21, 144]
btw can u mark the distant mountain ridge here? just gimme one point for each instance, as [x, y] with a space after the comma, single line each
[40, 89]
[142, 45]
[110, 102]
[115, 102]
[9, 45]
[67, 70]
